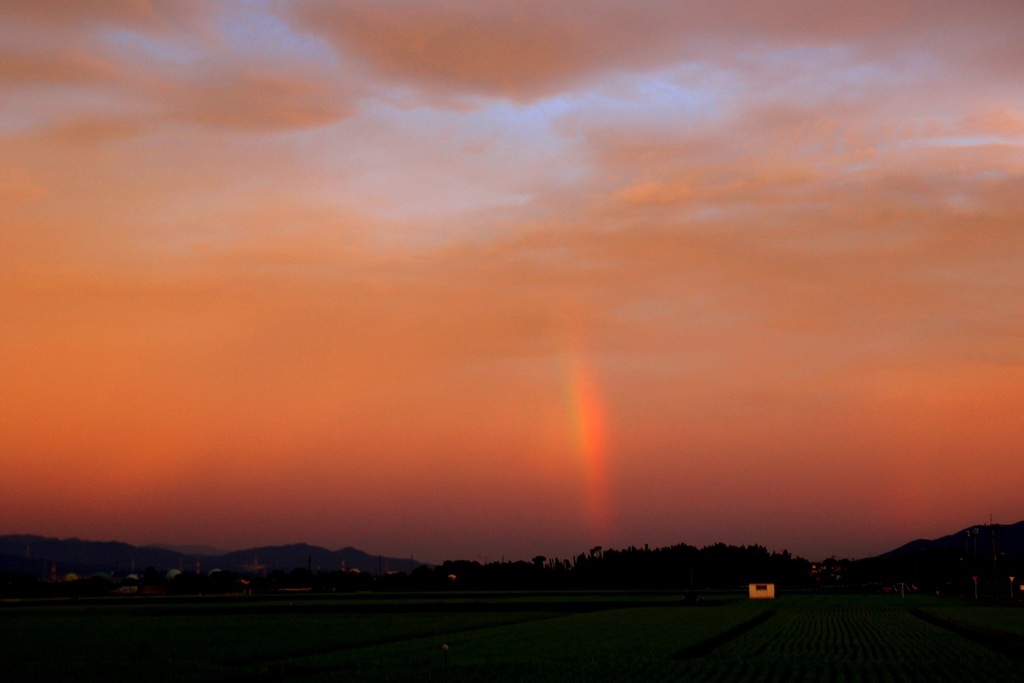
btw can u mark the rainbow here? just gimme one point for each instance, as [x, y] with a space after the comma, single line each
[590, 443]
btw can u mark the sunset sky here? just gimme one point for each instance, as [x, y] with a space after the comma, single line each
[498, 278]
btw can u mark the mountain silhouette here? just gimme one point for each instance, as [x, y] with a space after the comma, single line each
[37, 555]
[981, 539]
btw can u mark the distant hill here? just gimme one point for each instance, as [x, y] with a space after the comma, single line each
[37, 555]
[198, 550]
[1008, 539]
[269, 558]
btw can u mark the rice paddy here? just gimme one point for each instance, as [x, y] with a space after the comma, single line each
[512, 637]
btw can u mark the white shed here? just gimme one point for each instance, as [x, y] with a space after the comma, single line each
[762, 591]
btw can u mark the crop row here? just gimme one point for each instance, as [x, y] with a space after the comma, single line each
[864, 639]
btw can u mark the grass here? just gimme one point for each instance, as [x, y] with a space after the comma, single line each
[507, 637]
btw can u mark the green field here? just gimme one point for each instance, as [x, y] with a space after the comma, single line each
[512, 637]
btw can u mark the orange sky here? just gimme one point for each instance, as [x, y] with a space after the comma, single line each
[501, 278]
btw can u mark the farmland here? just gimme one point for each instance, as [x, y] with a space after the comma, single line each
[512, 637]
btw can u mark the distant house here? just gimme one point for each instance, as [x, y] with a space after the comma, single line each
[762, 591]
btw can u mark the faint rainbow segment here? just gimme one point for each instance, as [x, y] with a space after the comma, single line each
[590, 441]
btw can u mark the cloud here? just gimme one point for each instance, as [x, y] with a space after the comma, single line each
[49, 67]
[240, 98]
[494, 49]
[129, 67]
[249, 98]
[155, 15]
[96, 129]
[526, 50]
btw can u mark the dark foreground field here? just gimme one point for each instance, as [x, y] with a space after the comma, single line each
[512, 637]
